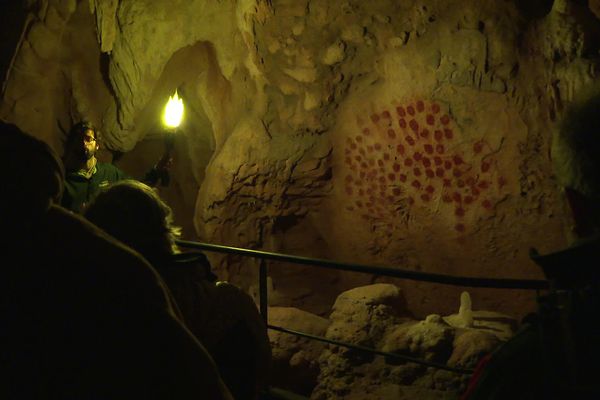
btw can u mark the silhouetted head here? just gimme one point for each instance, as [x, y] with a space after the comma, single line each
[83, 141]
[132, 212]
[31, 175]
[576, 160]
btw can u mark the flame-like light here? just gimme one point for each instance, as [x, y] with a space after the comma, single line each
[173, 111]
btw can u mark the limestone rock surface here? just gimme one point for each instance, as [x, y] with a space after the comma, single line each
[409, 134]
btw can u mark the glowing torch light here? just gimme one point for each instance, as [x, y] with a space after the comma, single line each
[173, 111]
[172, 118]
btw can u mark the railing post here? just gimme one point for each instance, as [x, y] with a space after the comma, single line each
[263, 290]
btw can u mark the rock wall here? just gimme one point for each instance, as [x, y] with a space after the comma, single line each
[375, 317]
[413, 134]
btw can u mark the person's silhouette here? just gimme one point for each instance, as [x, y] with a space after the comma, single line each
[221, 315]
[83, 316]
[554, 354]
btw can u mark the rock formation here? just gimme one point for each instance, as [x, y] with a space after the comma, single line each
[375, 317]
[412, 134]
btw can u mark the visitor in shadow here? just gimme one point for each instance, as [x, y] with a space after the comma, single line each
[83, 316]
[555, 353]
[222, 316]
[86, 175]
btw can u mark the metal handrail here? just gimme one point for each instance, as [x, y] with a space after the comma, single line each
[370, 350]
[413, 275]
[495, 283]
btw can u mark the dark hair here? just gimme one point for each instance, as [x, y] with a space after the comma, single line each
[31, 173]
[79, 129]
[134, 213]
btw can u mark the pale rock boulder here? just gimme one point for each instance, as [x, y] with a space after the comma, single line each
[465, 311]
[500, 325]
[470, 346]
[430, 339]
[375, 316]
[383, 391]
[294, 364]
[363, 314]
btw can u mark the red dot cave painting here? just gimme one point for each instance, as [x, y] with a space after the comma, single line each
[411, 155]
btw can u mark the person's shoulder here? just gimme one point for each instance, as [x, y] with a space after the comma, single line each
[575, 266]
[74, 228]
[78, 232]
[106, 169]
[96, 250]
[101, 165]
[196, 260]
[230, 293]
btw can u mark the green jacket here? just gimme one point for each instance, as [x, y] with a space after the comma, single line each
[79, 190]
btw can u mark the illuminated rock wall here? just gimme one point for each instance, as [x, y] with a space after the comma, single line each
[412, 134]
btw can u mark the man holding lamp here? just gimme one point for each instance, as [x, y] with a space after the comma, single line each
[85, 175]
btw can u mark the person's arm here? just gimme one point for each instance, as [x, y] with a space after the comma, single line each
[176, 364]
[159, 173]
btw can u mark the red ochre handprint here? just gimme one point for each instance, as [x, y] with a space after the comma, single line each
[409, 154]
